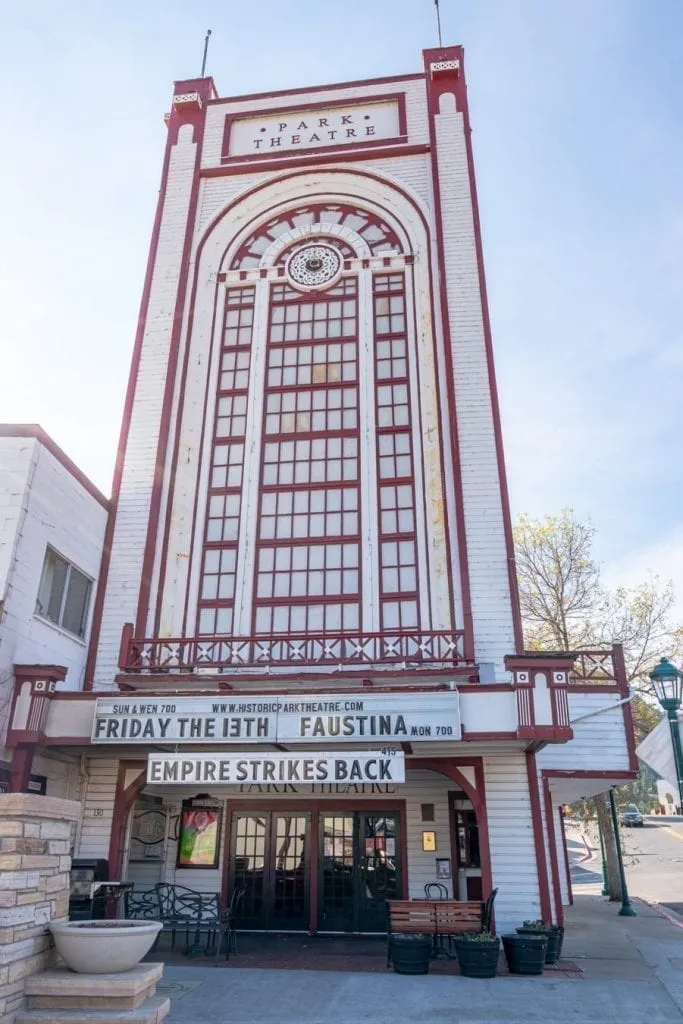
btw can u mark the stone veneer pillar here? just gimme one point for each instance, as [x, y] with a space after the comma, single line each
[35, 861]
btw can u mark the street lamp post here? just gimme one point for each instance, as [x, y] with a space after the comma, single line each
[668, 685]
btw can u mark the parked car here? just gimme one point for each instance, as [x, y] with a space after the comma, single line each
[632, 816]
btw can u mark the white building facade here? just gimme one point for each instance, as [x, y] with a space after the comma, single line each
[52, 523]
[306, 676]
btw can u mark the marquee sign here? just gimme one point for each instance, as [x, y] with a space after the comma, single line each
[322, 719]
[304, 128]
[224, 769]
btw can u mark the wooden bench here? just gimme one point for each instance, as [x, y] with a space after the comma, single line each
[434, 917]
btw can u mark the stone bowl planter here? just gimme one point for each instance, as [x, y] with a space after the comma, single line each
[103, 947]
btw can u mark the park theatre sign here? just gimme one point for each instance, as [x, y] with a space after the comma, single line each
[333, 718]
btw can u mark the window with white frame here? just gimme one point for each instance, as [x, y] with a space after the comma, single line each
[64, 594]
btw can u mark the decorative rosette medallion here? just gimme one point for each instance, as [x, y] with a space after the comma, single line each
[314, 267]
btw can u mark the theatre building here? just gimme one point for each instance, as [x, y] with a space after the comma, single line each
[306, 673]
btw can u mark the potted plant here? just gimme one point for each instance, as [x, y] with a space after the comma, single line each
[410, 952]
[553, 934]
[477, 954]
[525, 952]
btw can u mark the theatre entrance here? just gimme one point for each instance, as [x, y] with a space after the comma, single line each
[329, 871]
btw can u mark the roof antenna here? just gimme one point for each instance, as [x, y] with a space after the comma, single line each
[206, 47]
[438, 20]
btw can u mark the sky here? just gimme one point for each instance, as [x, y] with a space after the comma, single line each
[576, 109]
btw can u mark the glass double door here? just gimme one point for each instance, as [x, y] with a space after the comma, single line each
[357, 855]
[360, 869]
[271, 861]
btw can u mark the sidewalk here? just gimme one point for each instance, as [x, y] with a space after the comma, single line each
[632, 972]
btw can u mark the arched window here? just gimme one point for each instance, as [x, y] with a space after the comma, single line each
[313, 524]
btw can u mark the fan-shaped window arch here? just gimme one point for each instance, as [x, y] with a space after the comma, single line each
[377, 235]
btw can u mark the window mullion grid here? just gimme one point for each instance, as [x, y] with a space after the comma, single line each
[292, 370]
[236, 340]
[399, 602]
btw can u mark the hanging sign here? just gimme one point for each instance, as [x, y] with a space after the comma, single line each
[309, 767]
[351, 718]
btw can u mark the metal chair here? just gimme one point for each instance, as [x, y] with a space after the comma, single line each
[435, 891]
[229, 920]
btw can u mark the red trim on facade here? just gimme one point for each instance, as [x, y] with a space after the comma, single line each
[301, 90]
[531, 662]
[456, 84]
[337, 156]
[22, 760]
[552, 847]
[461, 536]
[539, 845]
[570, 891]
[251, 115]
[485, 687]
[482, 816]
[197, 120]
[474, 737]
[35, 431]
[622, 680]
[123, 801]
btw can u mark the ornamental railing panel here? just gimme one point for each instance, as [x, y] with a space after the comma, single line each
[191, 654]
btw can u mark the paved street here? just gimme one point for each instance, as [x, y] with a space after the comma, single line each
[653, 856]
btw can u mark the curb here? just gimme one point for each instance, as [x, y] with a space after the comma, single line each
[670, 915]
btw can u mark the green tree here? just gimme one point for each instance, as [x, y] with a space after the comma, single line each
[566, 606]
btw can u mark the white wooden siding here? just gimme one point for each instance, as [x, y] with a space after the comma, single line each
[599, 742]
[511, 841]
[100, 794]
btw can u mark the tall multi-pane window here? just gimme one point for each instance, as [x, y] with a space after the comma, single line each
[308, 554]
[398, 554]
[332, 458]
[217, 588]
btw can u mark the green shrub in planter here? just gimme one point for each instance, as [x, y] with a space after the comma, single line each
[410, 953]
[477, 954]
[550, 930]
[525, 953]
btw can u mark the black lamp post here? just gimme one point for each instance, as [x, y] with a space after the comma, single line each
[668, 685]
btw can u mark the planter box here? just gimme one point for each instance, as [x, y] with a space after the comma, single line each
[478, 958]
[411, 953]
[525, 954]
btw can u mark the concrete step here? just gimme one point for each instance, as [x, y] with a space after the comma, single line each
[152, 1011]
[62, 989]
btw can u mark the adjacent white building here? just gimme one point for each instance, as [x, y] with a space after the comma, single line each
[52, 522]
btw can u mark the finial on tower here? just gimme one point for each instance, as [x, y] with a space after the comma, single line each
[438, 21]
[206, 47]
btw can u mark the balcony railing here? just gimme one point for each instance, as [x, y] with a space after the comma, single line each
[599, 668]
[349, 650]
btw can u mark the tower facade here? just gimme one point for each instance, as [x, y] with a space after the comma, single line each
[306, 616]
